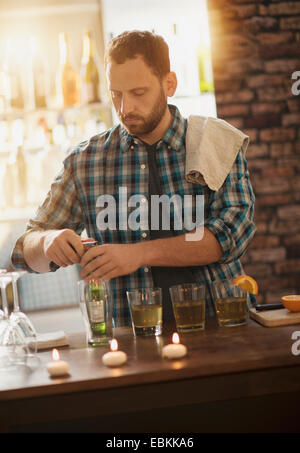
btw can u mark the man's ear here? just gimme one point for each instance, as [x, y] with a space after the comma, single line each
[170, 84]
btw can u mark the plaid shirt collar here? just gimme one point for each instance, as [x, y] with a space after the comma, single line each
[174, 137]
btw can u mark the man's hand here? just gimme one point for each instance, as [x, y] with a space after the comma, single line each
[63, 247]
[107, 261]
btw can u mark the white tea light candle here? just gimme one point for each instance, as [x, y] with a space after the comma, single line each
[57, 367]
[174, 350]
[114, 357]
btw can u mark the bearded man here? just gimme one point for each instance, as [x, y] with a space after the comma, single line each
[145, 154]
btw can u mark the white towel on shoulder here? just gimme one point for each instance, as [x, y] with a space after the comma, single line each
[212, 145]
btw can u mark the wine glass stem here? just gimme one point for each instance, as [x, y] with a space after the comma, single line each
[16, 296]
[4, 301]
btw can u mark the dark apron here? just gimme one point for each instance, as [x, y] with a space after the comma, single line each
[164, 277]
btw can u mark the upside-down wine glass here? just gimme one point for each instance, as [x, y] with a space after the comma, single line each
[2, 316]
[13, 347]
[4, 310]
[19, 317]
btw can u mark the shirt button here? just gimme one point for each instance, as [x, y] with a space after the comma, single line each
[169, 147]
[146, 269]
[144, 235]
[143, 200]
[143, 166]
[131, 147]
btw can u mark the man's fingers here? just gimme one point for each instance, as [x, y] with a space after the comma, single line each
[57, 260]
[70, 254]
[77, 246]
[60, 253]
[92, 253]
[106, 270]
[65, 245]
[103, 275]
[93, 265]
[63, 251]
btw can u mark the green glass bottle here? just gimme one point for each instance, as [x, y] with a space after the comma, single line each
[205, 70]
[97, 308]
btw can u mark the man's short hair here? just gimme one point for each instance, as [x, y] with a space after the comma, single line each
[130, 44]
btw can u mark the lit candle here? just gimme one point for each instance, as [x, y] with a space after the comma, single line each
[114, 357]
[175, 350]
[57, 367]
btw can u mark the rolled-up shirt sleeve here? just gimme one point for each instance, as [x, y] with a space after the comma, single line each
[230, 214]
[60, 209]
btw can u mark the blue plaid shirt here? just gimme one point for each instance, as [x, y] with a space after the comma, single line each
[116, 159]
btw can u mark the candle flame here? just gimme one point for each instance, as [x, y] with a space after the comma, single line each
[175, 338]
[55, 354]
[114, 345]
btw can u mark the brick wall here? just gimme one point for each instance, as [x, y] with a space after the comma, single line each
[255, 50]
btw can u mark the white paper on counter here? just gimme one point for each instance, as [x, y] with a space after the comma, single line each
[51, 340]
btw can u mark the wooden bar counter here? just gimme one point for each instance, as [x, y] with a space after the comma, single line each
[238, 379]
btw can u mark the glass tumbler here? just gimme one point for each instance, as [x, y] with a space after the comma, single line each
[231, 303]
[145, 306]
[188, 301]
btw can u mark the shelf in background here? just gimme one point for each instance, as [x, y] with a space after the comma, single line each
[19, 113]
[13, 214]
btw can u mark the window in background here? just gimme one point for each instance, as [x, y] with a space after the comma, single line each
[184, 26]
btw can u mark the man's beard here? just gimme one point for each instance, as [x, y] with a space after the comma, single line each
[148, 124]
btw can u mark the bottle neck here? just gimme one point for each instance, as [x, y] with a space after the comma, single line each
[63, 49]
[87, 51]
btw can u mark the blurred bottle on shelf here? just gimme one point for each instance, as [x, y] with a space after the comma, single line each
[21, 165]
[40, 80]
[68, 78]
[4, 87]
[89, 72]
[59, 135]
[4, 127]
[205, 69]
[15, 180]
[14, 72]
[9, 181]
[17, 132]
[16, 90]
[41, 133]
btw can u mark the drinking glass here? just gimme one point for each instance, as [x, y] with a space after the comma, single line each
[2, 315]
[188, 301]
[146, 311]
[13, 348]
[19, 317]
[4, 281]
[230, 302]
[96, 307]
